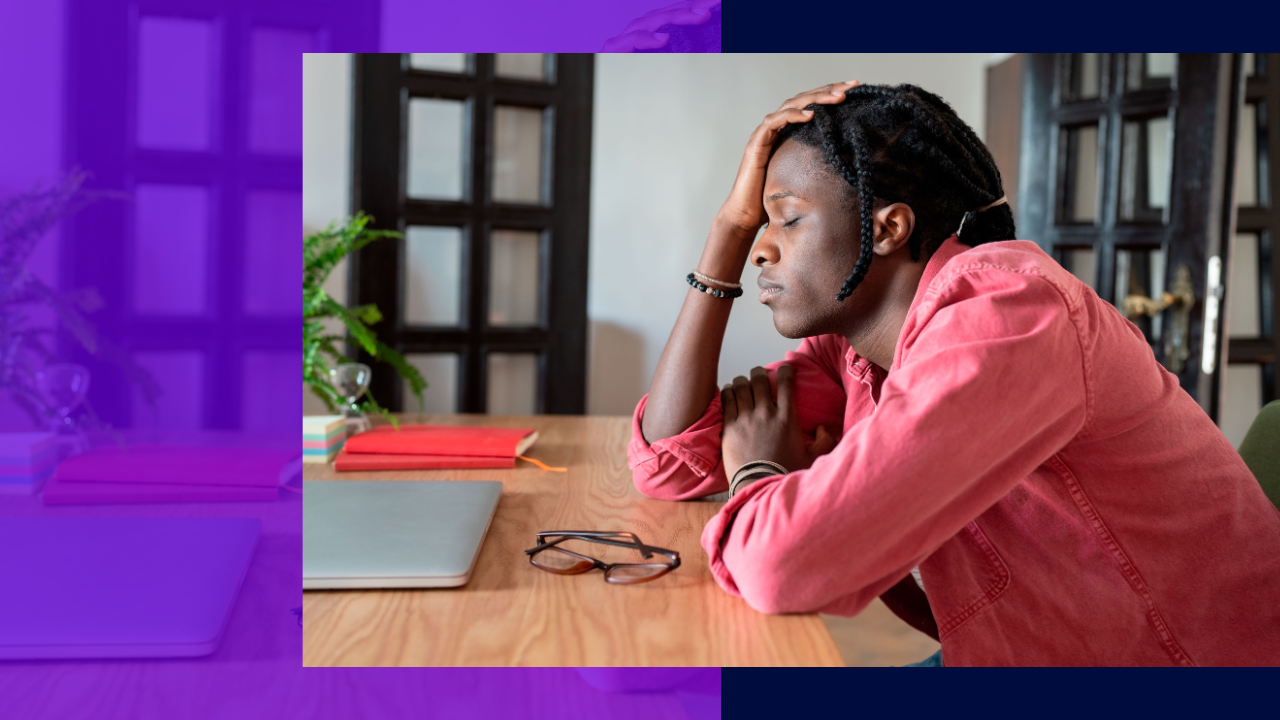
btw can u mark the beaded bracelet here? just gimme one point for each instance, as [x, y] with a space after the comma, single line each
[730, 293]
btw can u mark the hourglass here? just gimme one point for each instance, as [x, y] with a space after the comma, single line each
[62, 387]
[351, 380]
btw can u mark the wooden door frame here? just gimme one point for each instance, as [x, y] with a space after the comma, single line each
[383, 84]
[1204, 102]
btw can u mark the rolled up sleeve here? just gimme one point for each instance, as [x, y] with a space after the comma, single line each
[990, 384]
[682, 467]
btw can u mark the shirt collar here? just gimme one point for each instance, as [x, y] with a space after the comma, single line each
[949, 248]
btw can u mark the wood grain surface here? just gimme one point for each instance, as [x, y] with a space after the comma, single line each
[512, 613]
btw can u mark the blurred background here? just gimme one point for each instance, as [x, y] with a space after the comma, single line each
[552, 205]
[152, 167]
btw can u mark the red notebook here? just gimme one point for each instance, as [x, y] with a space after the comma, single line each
[369, 461]
[447, 440]
[263, 468]
[61, 492]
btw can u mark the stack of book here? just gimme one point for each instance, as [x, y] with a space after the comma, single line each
[322, 437]
[26, 461]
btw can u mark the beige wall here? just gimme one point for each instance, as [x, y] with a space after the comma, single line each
[669, 131]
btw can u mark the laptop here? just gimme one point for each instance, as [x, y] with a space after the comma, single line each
[393, 533]
[120, 587]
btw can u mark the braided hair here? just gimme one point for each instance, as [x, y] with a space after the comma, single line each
[905, 144]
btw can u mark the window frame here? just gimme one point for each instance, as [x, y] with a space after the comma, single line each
[384, 84]
[101, 137]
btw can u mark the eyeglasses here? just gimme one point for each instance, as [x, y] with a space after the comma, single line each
[552, 558]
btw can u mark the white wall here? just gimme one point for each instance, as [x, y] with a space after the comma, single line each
[326, 161]
[669, 132]
[31, 79]
[326, 138]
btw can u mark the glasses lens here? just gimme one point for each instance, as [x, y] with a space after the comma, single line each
[625, 574]
[560, 562]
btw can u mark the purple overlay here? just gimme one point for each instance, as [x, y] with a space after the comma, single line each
[150, 192]
[524, 26]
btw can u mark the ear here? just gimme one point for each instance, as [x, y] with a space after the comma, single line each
[892, 229]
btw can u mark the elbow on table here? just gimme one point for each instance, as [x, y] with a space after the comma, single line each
[667, 481]
[655, 487]
[767, 603]
[647, 488]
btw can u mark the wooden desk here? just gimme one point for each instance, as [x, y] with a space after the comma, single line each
[512, 613]
[256, 663]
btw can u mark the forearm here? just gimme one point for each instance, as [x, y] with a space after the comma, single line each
[685, 379]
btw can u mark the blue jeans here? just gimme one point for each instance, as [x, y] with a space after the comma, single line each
[934, 660]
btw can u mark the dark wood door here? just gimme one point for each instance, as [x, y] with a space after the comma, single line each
[1125, 177]
[1253, 301]
[483, 161]
[187, 111]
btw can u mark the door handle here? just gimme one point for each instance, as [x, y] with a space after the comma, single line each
[1181, 298]
[1212, 306]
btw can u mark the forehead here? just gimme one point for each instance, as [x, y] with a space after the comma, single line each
[802, 170]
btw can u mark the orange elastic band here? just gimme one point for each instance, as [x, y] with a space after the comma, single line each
[542, 465]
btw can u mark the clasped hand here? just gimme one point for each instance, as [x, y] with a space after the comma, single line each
[758, 428]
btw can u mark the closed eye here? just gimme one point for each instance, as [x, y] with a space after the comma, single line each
[789, 223]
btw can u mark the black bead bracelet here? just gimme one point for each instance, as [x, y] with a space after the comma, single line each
[730, 293]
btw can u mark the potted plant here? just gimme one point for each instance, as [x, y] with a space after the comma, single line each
[322, 350]
[27, 349]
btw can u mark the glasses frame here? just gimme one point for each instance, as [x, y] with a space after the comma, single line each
[605, 538]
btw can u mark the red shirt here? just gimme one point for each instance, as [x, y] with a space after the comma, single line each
[1066, 501]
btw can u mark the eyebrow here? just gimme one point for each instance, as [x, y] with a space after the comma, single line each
[780, 195]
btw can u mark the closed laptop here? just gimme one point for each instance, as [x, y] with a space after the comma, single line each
[120, 587]
[395, 533]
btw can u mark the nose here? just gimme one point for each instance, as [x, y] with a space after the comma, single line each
[766, 251]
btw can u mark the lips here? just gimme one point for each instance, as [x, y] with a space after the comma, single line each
[768, 290]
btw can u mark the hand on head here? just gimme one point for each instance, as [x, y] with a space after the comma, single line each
[745, 209]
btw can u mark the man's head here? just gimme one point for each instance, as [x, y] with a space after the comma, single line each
[888, 174]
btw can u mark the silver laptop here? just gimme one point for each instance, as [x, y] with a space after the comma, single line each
[120, 587]
[393, 533]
